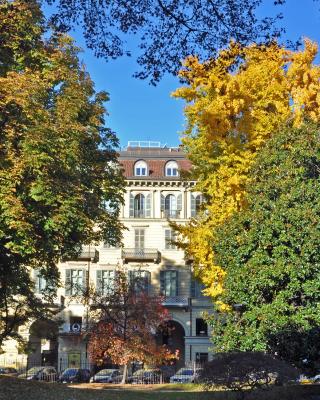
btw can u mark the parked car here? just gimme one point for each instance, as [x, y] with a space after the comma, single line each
[167, 372]
[40, 374]
[9, 371]
[304, 380]
[74, 375]
[107, 376]
[146, 376]
[186, 375]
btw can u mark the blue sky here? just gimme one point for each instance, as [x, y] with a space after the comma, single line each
[139, 111]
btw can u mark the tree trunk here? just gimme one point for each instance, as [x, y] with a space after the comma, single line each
[125, 373]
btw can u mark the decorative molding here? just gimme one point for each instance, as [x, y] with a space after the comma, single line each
[156, 182]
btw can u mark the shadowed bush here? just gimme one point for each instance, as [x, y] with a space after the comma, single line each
[242, 371]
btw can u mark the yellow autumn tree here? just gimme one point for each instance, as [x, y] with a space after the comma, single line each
[235, 103]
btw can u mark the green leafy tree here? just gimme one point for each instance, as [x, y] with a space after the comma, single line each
[271, 254]
[58, 161]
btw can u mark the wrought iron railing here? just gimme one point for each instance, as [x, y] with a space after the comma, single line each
[141, 255]
[88, 253]
[175, 301]
[171, 214]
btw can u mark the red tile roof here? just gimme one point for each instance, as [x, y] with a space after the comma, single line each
[156, 165]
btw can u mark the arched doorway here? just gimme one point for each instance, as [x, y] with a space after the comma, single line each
[173, 338]
[43, 344]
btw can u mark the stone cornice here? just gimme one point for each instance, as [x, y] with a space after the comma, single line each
[159, 183]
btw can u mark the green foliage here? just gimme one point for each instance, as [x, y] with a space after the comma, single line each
[58, 163]
[271, 253]
[244, 371]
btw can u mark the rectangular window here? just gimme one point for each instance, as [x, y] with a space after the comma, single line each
[201, 327]
[169, 283]
[201, 358]
[196, 288]
[40, 282]
[75, 282]
[105, 281]
[139, 281]
[170, 236]
[139, 238]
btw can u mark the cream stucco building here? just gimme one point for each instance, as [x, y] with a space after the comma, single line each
[154, 194]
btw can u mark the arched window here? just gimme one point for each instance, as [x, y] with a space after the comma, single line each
[199, 201]
[140, 168]
[171, 205]
[139, 206]
[172, 169]
[196, 204]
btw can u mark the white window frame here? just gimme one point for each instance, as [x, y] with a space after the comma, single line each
[169, 235]
[139, 238]
[141, 168]
[172, 169]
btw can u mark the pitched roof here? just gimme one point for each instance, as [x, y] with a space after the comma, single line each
[156, 160]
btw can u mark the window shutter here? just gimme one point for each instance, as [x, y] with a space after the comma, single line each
[193, 287]
[36, 281]
[175, 277]
[148, 205]
[131, 278]
[85, 280]
[167, 238]
[162, 202]
[99, 287]
[162, 278]
[68, 282]
[131, 205]
[146, 277]
[193, 205]
[112, 281]
[179, 202]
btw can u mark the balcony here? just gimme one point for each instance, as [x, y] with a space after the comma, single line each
[175, 214]
[88, 253]
[175, 301]
[141, 214]
[141, 255]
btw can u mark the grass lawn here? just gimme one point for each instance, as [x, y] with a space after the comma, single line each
[20, 389]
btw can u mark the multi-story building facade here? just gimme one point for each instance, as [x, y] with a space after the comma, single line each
[154, 195]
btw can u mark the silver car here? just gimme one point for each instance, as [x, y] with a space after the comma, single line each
[107, 376]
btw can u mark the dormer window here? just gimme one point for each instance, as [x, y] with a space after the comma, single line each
[140, 168]
[172, 169]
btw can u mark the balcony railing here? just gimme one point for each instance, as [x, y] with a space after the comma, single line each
[141, 255]
[88, 253]
[141, 214]
[171, 214]
[175, 301]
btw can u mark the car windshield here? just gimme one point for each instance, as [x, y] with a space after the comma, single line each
[34, 370]
[70, 372]
[185, 372]
[105, 372]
